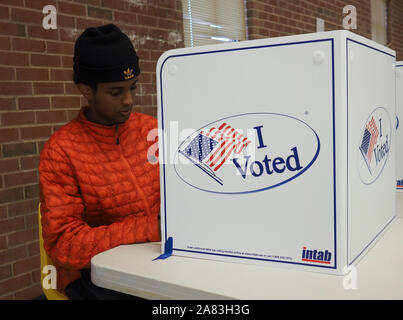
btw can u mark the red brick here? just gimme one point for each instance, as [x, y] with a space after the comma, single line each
[115, 4]
[50, 116]
[19, 44]
[5, 272]
[99, 13]
[20, 178]
[37, 74]
[65, 21]
[30, 133]
[31, 192]
[147, 89]
[167, 24]
[3, 242]
[14, 59]
[83, 23]
[31, 222]
[10, 225]
[8, 134]
[65, 48]
[41, 33]
[12, 254]
[15, 284]
[39, 4]
[5, 43]
[15, 88]
[71, 88]
[61, 75]
[9, 165]
[71, 8]
[12, 29]
[67, 62]
[33, 249]
[10, 195]
[17, 3]
[22, 237]
[157, 11]
[126, 17]
[29, 293]
[3, 212]
[147, 20]
[4, 13]
[143, 54]
[26, 16]
[146, 100]
[69, 34]
[147, 66]
[22, 208]
[166, 4]
[98, 3]
[33, 103]
[17, 118]
[66, 102]
[7, 104]
[19, 149]
[45, 60]
[48, 88]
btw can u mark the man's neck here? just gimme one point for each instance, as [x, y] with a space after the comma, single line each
[92, 116]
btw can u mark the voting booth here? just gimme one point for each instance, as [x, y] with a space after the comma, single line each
[399, 130]
[278, 152]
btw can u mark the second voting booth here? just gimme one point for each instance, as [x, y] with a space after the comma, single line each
[277, 151]
[399, 126]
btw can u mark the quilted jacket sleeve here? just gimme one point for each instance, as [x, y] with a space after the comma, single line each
[68, 239]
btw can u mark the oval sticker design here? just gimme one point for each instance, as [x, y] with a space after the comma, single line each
[247, 153]
[374, 145]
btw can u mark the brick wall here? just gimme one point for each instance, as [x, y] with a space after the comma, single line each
[396, 27]
[37, 96]
[274, 18]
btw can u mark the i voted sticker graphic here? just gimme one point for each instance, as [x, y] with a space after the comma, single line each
[374, 145]
[247, 153]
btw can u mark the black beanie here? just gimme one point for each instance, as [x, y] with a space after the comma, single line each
[104, 54]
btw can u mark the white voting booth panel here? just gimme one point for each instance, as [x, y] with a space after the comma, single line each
[399, 130]
[277, 151]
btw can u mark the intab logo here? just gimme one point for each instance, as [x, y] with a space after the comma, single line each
[316, 256]
[374, 145]
[247, 153]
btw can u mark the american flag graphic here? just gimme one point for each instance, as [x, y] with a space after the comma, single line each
[209, 150]
[369, 139]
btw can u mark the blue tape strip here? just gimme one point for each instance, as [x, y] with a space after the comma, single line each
[167, 249]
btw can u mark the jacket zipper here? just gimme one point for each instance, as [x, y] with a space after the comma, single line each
[117, 134]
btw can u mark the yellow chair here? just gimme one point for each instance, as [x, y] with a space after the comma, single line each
[51, 294]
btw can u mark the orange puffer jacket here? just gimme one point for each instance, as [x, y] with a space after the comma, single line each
[97, 191]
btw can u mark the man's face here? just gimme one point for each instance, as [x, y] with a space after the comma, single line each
[112, 102]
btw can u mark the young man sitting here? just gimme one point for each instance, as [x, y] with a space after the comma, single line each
[98, 189]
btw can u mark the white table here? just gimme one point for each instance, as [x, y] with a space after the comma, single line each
[131, 269]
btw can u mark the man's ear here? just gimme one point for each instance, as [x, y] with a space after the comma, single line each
[85, 90]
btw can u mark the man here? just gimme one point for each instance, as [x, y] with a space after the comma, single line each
[97, 188]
